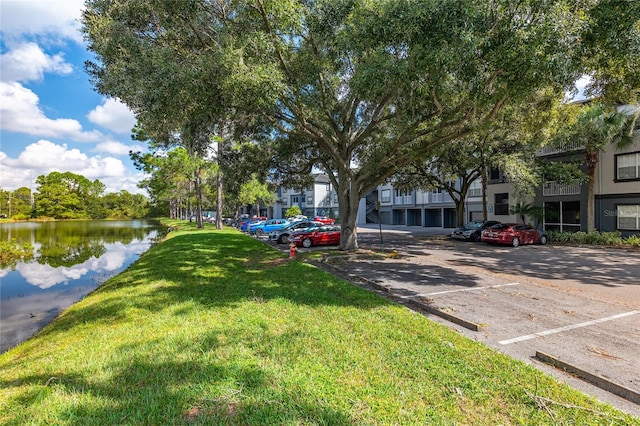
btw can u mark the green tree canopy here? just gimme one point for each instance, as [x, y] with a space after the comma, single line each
[256, 192]
[66, 195]
[354, 88]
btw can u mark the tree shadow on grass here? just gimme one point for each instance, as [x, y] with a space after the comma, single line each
[209, 271]
[147, 385]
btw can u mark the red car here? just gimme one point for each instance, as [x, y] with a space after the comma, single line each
[324, 219]
[514, 234]
[324, 235]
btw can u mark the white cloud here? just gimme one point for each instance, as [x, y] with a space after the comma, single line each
[45, 276]
[38, 39]
[20, 112]
[28, 62]
[55, 20]
[117, 148]
[44, 157]
[113, 115]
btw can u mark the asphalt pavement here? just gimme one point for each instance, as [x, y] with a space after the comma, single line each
[555, 307]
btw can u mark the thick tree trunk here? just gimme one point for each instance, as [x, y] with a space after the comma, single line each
[484, 194]
[459, 199]
[349, 202]
[198, 190]
[219, 182]
[592, 162]
[591, 202]
[219, 200]
[459, 211]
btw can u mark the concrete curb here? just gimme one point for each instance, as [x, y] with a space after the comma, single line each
[452, 318]
[599, 381]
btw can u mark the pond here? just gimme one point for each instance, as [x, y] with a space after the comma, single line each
[71, 259]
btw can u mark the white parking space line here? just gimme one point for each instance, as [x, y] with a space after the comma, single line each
[566, 328]
[468, 289]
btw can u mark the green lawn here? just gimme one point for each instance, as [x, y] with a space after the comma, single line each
[213, 327]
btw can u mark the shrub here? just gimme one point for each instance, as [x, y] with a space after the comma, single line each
[21, 216]
[293, 211]
[633, 240]
[610, 238]
[592, 238]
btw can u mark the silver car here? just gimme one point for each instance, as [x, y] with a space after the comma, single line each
[281, 236]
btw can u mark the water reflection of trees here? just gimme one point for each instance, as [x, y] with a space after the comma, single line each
[68, 243]
[12, 252]
[70, 252]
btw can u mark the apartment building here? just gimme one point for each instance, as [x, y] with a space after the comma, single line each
[318, 200]
[434, 209]
[617, 197]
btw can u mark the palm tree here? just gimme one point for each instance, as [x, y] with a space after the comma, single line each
[527, 209]
[596, 128]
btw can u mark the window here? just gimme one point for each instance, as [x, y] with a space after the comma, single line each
[562, 216]
[501, 204]
[475, 189]
[495, 175]
[629, 217]
[297, 199]
[628, 166]
[310, 201]
[385, 196]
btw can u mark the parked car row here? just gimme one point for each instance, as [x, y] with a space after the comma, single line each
[303, 232]
[494, 232]
[282, 236]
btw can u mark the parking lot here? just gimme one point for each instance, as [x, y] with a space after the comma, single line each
[577, 307]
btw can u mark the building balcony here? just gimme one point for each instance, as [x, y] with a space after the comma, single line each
[403, 200]
[551, 188]
[553, 150]
[439, 198]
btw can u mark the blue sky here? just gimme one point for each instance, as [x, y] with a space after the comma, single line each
[51, 119]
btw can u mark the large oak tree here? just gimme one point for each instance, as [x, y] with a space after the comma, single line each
[356, 88]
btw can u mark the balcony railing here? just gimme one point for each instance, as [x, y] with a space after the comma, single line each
[439, 197]
[551, 150]
[474, 193]
[403, 200]
[551, 188]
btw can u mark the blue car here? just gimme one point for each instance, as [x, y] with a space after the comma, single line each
[263, 228]
[245, 226]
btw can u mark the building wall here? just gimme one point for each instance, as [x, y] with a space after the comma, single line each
[496, 212]
[606, 182]
[318, 200]
[608, 212]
